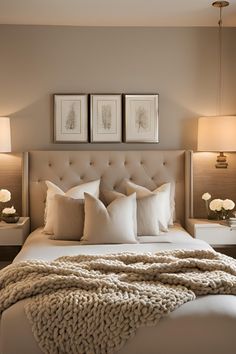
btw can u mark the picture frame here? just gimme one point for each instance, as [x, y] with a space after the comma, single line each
[106, 118]
[71, 118]
[141, 118]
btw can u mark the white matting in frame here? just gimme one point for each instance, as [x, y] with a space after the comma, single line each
[106, 118]
[141, 118]
[71, 118]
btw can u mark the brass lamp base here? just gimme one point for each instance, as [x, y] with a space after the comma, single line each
[221, 161]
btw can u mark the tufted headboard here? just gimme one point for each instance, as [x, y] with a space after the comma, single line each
[70, 168]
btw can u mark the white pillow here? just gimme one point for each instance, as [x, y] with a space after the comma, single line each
[76, 192]
[163, 210]
[115, 224]
[147, 222]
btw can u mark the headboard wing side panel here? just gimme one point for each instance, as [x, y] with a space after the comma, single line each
[70, 168]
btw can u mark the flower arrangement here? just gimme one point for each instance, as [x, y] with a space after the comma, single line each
[221, 208]
[5, 195]
[8, 214]
[9, 211]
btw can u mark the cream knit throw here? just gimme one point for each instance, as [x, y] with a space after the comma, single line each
[93, 304]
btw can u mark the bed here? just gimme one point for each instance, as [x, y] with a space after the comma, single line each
[205, 325]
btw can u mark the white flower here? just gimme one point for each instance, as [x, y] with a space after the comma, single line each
[228, 204]
[206, 196]
[216, 204]
[9, 211]
[5, 195]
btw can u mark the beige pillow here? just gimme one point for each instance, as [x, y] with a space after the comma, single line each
[76, 192]
[69, 218]
[114, 224]
[112, 195]
[163, 208]
[147, 222]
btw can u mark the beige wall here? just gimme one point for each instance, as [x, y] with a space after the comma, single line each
[178, 63]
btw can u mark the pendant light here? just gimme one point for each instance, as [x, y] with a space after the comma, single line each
[218, 133]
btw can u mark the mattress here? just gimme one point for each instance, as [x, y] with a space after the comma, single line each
[205, 325]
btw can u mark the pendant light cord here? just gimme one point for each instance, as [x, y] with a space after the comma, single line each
[220, 5]
[220, 62]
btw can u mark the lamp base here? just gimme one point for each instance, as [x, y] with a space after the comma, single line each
[221, 161]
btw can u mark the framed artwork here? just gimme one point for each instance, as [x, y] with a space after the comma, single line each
[141, 118]
[71, 118]
[106, 118]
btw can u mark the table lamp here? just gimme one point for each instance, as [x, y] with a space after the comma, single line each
[217, 134]
[5, 134]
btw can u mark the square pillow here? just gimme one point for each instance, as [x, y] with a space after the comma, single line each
[68, 218]
[76, 192]
[115, 224]
[164, 205]
[147, 222]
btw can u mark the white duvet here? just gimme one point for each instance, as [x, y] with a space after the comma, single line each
[206, 325]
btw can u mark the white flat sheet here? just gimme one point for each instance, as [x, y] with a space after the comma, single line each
[206, 325]
[40, 246]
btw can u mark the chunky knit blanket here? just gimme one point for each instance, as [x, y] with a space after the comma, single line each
[93, 304]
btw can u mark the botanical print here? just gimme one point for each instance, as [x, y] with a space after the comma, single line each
[141, 111]
[141, 119]
[106, 117]
[70, 117]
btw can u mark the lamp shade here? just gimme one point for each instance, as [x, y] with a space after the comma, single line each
[217, 133]
[5, 134]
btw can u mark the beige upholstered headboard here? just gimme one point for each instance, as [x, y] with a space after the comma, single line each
[70, 168]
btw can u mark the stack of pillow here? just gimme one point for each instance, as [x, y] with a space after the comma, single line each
[79, 214]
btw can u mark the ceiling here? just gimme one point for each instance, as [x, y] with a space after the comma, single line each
[115, 13]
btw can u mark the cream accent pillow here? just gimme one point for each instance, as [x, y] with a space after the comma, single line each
[147, 222]
[68, 218]
[76, 192]
[114, 224]
[163, 209]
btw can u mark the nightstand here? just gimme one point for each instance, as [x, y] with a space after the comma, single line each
[12, 237]
[218, 234]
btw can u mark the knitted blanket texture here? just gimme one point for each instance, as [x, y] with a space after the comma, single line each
[94, 304]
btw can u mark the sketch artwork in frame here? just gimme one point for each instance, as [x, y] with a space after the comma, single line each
[141, 118]
[71, 118]
[106, 118]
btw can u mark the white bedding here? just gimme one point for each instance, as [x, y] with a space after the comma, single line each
[39, 246]
[206, 325]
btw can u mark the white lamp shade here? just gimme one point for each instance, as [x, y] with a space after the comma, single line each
[5, 134]
[217, 133]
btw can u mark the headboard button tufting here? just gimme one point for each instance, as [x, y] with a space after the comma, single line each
[67, 168]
